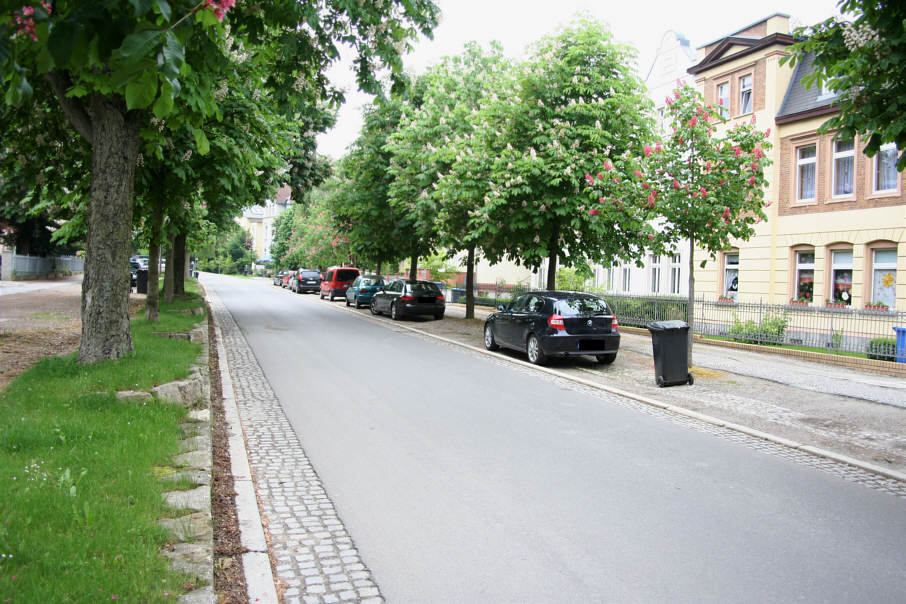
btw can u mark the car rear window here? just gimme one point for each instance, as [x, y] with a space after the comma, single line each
[310, 274]
[585, 305]
[366, 281]
[346, 275]
[424, 289]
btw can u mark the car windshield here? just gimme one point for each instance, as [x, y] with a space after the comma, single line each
[584, 305]
[369, 281]
[346, 275]
[424, 289]
[310, 274]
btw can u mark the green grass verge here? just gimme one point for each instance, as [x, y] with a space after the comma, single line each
[81, 499]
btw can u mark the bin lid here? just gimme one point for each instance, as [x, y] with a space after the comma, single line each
[667, 325]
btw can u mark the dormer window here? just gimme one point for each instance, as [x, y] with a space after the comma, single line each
[745, 94]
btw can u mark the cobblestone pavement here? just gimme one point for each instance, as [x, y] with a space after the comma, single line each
[316, 559]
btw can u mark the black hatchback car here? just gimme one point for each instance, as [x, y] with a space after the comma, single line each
[306, 280]
[405, 298]
[555, 323]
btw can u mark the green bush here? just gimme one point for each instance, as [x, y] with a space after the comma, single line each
[770, 331]
[881, 349]
[638, 312]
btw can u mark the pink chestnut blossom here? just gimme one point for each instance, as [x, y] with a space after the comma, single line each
[676, 184]
[594, 212]
[647, 149]
[638, 174]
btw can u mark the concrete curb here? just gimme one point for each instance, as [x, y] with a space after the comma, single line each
[256, 564]
[817, 451]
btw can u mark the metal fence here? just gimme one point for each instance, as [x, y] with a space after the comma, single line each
[825, 329]
[42, 265]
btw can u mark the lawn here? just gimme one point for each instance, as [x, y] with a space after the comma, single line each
[79, 511]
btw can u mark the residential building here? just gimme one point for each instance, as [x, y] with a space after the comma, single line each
[259, 221]
[836, 227]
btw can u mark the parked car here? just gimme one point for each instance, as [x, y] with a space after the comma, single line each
[362, 289]
[287, 278]
[278, 277]
[306, 280]
[134, 267]
[405, 298]
[337, 280]
[555, 323]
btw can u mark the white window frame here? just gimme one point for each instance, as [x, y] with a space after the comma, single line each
[627, 278]
[883, 266]
[655, 274]
[676, 274]
[728, 266]
[876, 166]
[842, 155]
[800, 164]
[724, 109]
[743, 89]
[841, 265]
[804, 266]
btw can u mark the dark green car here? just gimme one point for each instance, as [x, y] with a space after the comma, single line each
[362, 289]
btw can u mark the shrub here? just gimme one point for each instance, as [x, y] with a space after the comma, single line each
[770, 331]
[881, 349]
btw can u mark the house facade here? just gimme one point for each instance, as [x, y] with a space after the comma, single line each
[836, 227]
[259, 221]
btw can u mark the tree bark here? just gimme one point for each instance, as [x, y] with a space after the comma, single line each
[179, 264]
[413, 267]
[152, 302]
[470, 284]
[690, 314]
[552, 260]
[105, 286]
[168, 272]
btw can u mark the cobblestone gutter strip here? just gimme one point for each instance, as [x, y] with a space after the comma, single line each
[315, 559]
[855, 470]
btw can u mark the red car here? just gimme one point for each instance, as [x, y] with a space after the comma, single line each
[337, 280]
[287, 278]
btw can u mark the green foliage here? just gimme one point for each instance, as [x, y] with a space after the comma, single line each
[81, 499]
[573, 278]
[770, 331]
[881, 349]
[232, 253]
[860, 57]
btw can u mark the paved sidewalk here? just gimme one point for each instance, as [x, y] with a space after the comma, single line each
[21, 287]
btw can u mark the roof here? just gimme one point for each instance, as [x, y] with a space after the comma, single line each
[800, 102]
[753, 44]
[742, 29]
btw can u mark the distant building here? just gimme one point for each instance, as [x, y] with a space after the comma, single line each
[259, 221]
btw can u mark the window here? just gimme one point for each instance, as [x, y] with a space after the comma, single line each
[805, 170]
[723, 99]
[884, 277]
[805, 276]
[675, 274]
[745, 94]
[626, 275]
[731, 275]
[842, 276]
[885, 172]
[844, 167]
[655, 274]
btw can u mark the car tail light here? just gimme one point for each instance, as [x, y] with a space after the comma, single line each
[556, 321]
[613, 324]
[407, 298]
[439, 298]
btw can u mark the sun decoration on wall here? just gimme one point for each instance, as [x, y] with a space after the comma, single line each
[887, 280]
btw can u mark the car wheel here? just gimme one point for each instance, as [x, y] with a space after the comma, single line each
[489, 341]
[346, 299]
[394, 312]
[373, 308]
[536, 356]
[438, 316]
[355, 302]
[321, 294]
[606, 359]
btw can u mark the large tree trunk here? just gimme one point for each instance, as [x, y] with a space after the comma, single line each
[105, 286]
[552, 260]
[168, 272]
[413, 266]
[690, 315]
[470, 284]
[152, 302]
[179, 264]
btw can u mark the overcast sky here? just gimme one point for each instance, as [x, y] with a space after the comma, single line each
[517, 23]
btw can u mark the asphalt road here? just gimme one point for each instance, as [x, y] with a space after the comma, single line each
[462, 479]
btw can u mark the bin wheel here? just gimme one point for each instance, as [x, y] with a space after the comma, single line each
[690, 379]
[660, 381]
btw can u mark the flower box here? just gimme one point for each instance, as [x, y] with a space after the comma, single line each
[798, 303]
[725, 300]
[881, 307]
[836, 305]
